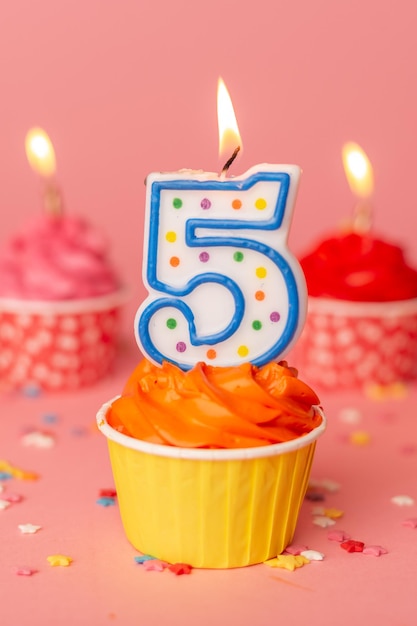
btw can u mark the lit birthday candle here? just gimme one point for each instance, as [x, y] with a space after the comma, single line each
[359, 174]
[41, 156]
[223, 286]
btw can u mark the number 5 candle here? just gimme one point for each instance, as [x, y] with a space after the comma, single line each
[223, 286]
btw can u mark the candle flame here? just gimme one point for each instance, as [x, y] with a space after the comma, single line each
[229, 136]
[358, 170]
[40, 152]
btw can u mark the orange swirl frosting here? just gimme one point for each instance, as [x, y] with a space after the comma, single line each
[215, 407]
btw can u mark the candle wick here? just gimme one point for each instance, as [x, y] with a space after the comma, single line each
[230, 161]
[52, 200]
[362, 218]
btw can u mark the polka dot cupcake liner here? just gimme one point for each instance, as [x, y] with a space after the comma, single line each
[57, 346]
[347, 345]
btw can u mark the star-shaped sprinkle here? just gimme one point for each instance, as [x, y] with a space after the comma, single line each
[350, 415]
[38, 439]
[141, 558]
[59, 560]
[4, 504]
[360, 438]
[288, 561]
[15, 472]
[337, 535]
[402, 500]
[107, 493]
[314, 496]
[312, 555]
[24, 571]
[106, 501]
[323, 521]
[330, 485]
[155, 565]
[294, 549]
[374, 550]
[411, 522]
[180, 568]
[12, 497]
[29, 529]
[350, 545]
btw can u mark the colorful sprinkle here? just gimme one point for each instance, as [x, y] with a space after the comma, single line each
[59, 560]
[256, 325]
[5, 475]
[181, 346]
[260, 204]
[4, 504]
[204, 257]
[243, 351]
[211, 354]
[360, 438]
[275, 316]
[171, 323]
[411, 522]
[108, 493]
[171, 236]
[402, 500]
[50, 418]
[38, 439]
[236, 204]
[287, 561]
[29, 529]
[323, 521]
[154, 565]
[174, 261]
[177, 203]
[312, 555]
[12, 497]
[350, 416]
[351, 545]
[141, 558]
[106, 501]
[24, 571]
[238, 256]
[260, 295]
[205, 203]
[337, 535]
[180, 568]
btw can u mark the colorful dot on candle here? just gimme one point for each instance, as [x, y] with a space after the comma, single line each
[181, 346]
[236, 204]
[275, 316]
[171, 323]
[174, 261]
[256, 325]
[204, 257]
[260, 204]
[205, 203]
[238, 256]
[171, 236]
[260, 295]
[243, 351]
[177, 203]
[211, 354]
[260, 272]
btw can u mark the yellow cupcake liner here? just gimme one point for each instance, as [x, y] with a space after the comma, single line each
[209, 508]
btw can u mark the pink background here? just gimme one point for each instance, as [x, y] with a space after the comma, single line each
[128, 87]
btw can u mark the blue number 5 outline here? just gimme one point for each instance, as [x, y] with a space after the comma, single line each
[191, 225]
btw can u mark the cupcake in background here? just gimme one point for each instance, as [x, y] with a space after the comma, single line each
[361, 327]
[60, 298]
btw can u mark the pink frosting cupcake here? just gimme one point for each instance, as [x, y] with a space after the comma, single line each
[59, 305]
[362, 314]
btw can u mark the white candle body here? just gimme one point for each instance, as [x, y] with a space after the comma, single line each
[223, 286]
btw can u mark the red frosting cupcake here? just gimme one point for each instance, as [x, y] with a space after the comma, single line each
[362, 316]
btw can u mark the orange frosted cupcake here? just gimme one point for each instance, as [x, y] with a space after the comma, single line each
[218, 457]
